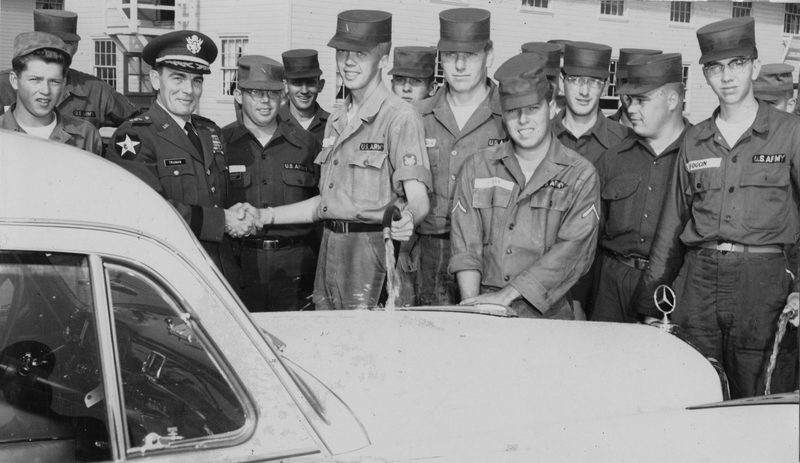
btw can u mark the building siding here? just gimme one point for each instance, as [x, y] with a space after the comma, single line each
[16, 16]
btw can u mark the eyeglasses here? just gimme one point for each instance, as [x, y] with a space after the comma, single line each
[260, 94]
[594, 84]
[736, 66]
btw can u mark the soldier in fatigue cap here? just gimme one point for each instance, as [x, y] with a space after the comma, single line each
[775, 85]
[303, 81]
[635, 175]
[412, 74]
[85, 96]
[180, 154]
[730, 221]
[39, 69]
[373, 154]
[271, 163]
[549, 194]
[625, 56]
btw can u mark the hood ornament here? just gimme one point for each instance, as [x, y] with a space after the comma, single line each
[666, 301]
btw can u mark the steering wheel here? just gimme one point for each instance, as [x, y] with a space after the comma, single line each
[25, 367]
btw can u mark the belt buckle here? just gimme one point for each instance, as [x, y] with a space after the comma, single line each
[340, 227]
[726, 247]
[267, 245]
[640, 264]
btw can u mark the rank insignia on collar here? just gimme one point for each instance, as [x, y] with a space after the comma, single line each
[409, 160]
[128, 146]
[193, 44]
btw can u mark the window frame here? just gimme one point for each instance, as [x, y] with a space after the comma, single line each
[610, 93]
[680, 10]
[741, 7]
[111, 55]
[791, 19]
[530, 5]
[228, 73]
[613, 5]
[49, 5]
[125, 75]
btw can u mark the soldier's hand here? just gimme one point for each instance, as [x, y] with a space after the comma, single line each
[237, 227]
[403, 228]
[793, 305]
[243, 210]
[503, 297]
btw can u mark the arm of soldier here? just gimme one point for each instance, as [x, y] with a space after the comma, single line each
[466, 235]
[302, 212]
[117, 108]
[416, 209]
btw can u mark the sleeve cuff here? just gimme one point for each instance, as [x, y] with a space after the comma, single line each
[464, 261]
[418, 173]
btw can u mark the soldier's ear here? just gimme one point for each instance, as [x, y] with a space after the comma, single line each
[791, 105]
[321, 85]
[154, 80]
[237, 95]
[12, 78]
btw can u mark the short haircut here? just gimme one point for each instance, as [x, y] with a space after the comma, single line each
[49, 56]
[384, 48]
[676, 87]
[489, 46]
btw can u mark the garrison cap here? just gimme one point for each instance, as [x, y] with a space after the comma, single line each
[627, 55]
[649, 72]
[587, 59]
[28, 42]
[62, 23]
[551, 52]
[522, 81]
[414, 62]
[361, 30]
[260, 73]
[727, 39]
[300, 63]
[189, 51]
[774, 80]
[464, 30]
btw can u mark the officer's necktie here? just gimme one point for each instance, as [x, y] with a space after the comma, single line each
[193, 137]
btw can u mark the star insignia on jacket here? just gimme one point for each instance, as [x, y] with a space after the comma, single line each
[128, 146]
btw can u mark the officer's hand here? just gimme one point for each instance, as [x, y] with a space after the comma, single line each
[236, 227]
[243, 210]
[403, 228]
[406, 262]
[793, 305]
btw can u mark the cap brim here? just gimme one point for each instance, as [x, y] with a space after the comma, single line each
[520, 101]
[464, 47]
[343, 43]
[584, 71]
[167, 64]
[627, 88]
[729, 53]
[406, 72]
[302, 74]
[261, 85]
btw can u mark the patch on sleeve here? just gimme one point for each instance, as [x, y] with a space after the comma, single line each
[459, 207]
[430, 142]
[710, 163]
[410, 160]
[493, 182]
[127, 148]
[589, 211]
[769, 158]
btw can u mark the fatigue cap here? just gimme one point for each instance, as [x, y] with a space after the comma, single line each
[774, 80]
[300, 63]
[62, 23]
[28, 42]
[361, 30]
[417, 62]
[189, 51]
[727, 39]
[627, 55]
[522, 81]
[551, 52]
[587, 59]
[649, 72]
[260, 73]
[464, 30]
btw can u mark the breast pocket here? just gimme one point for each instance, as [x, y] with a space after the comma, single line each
[179, 182]
[371, 182]
[705, 189]
[298, 185]
[547, 208]
[766, 196]
[620, 201]
[492, 205]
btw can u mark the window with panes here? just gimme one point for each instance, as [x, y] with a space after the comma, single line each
[49, 4]
[105, 61]
[680, 12]
[232, 49]
[535, 3]
[742, 9]
[612, 7]
[610, 100]
[137, 76]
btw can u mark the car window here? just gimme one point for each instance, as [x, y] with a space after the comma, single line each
[174, 391]
[50, 372]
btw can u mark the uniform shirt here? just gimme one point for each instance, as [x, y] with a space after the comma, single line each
[365, 161]
[317, 126]
[84, 97]
[634, 182]
[68, 130]
[538, 237]
[745, 194]
[603, 135]
[448, 148]
[283, 172]
[617, 116]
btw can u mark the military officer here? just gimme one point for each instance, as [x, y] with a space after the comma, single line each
[85, 96]
[626, 55]
[412, 73]
[180, 154]
[271, 163]
[525, 215]
[460, 119]
[775, 86]
[373, 153]
[730, 218]
[303, 83]
[634, 178]
[39, 68]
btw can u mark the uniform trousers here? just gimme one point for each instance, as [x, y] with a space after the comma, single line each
[434, 285]
[278, 279]
[615, 285]
[729, 302]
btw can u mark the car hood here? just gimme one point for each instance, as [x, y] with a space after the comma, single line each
[432, 380]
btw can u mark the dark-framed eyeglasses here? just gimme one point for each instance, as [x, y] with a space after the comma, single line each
[260, 94]
[736, 66]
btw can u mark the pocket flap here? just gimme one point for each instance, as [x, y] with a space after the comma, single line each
[372, 159]
[771, 175]
[299, 178]
[619, 188]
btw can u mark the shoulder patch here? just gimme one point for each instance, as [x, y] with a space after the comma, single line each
[127, 148]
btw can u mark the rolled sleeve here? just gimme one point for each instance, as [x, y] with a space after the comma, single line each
[407, 148]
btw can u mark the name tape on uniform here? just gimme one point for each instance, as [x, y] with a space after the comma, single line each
[371, 146]
[328, 142]
[289, 165]
[236, 168]
[430, 142]
[494, 182]
[710, 163]
[174, 162]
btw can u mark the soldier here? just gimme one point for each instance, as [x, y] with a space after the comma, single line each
[551, 52]
[303, 83]
[775, 86]
[85, 96]
[525, 215]
[373, 153]
[462, 118]
[180, 154]
[412, 74]
[634, 178]
[271, 163]
[625, 56]
[730, 218]
[39, 68]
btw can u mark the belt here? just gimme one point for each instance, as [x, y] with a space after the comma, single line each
[273, 242]
[340, 226]
[733, 247]
[438, 236]
[636, 262]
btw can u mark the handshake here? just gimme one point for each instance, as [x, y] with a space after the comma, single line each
[242, 220]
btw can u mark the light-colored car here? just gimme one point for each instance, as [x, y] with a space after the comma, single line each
[119, 340]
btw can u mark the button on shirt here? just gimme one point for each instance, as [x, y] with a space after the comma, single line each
[365, 161]
[448, 148]
[540, 236]
[604, 134]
